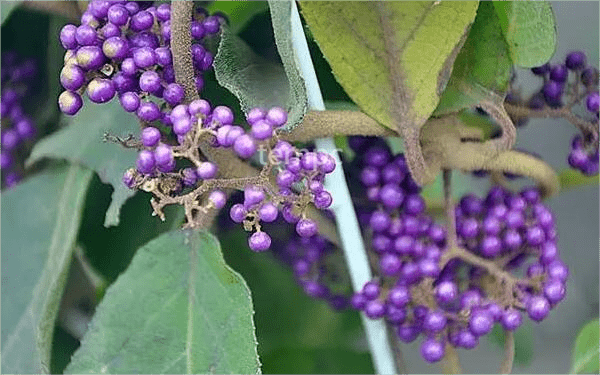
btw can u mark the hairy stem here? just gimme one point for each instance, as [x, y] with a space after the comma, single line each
[509, 353]
[586, 127]
[321, 124]
[181, 46]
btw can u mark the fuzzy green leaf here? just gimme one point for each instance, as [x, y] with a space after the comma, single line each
[483, 67]
[177, 309]
[254, 80]
[81, 141]
[393, 58]
[40, 220]
[585, 359]
[6, 8]
[530, 30]
[258, 82]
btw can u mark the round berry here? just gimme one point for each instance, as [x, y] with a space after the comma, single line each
[182, 125]
[559, 73]
[100, 90]
[268, 212]
[90, 57]
[145, 162]
[218, 198]
[538, 308]
[115, 48]
[163, 154]
[144, 57]
[446, 292]
[306, 228]
[593, 102]
[541, 70]
[150, 136]
[142, 20]
[118, 15]
[391, 196]
[554, 290]
[72, 77]
[67, 37]
[259, 241]
[575, 60]
[432, 350]
[480, 322]
[130, 101]
[277, 116]
[70, 102]
[323, 200]
[148, 112]
[223, 114]
[262, 130]
[85, 35]
[435, 321]
[374, 309]
[552, 91]
[390, 264]
[150, 81]
[244, 146]
[237, 213]
[511, 319]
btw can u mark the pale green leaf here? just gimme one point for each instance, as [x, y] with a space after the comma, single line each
[483, 67]
[40, 220]
[178, 308]
[254, 80]
[6, 8]
[585, 359]
[81, 141]
[530, 30]
[393, 58]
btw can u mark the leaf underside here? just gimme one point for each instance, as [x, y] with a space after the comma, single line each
[40, 220]
[178, 308]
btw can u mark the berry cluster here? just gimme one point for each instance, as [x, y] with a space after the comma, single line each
[123, 47]
[422, 290]
[18, 129]
[574, 82]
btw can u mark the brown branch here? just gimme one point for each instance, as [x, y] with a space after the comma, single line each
[509, 353]
[181, 46]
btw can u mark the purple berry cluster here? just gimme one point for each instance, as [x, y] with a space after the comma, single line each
[123, 48]
[18, 129]
[450, 300]
[578, 81]
[299, 177]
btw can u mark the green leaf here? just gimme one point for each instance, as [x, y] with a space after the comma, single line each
[254, 80]
[40, 220]
[393, 58]
[282, 29]
[585, 351]
[238, 12]
[570, 178]
[177, 309]
[6, 8]
[524, 342]
[258, 82]
[530, 31]
[483, 67]
[81, 142]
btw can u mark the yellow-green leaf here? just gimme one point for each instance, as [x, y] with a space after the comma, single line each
[393, 58]
[586, 352]
[530, 30]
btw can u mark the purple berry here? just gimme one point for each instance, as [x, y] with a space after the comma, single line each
[67, 37]
[306, 228]
[511, 319]
[150, 81]
[374, 309]
[70, 102]
[559, 73]
[142, 20]
[223, 114]
[277, 116]
[390, 264]
[435, 321]
[323, 200]
[593, 102]
[130, 101]
[268, 212]
[207, 170]
[244, 146]
[391, 196]
[446, 292]
[237, 213]
[538, 308]
[90, 57]
[148, 112]
[541, 70]
[118, 15]
[259, 241]
[115, 48]
[552, 91]
[575, 60]
[150, 136]
[100, 90]
[262, 130]
[408, 333]
[432, 350]
[309, 161]
[72, 77]
[480, 322]
[145, 162]
[218, 198]
[144, 57]
[554, 290]
[85, 35]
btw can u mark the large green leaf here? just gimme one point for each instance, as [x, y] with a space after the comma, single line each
[254, 80]
[317, 361]
[585, 359]
[40, 219]
[393, 58]
[238, 12]
[483, 67]
[81, 142]
[530, 30]
[6, 8]
[177, 309]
